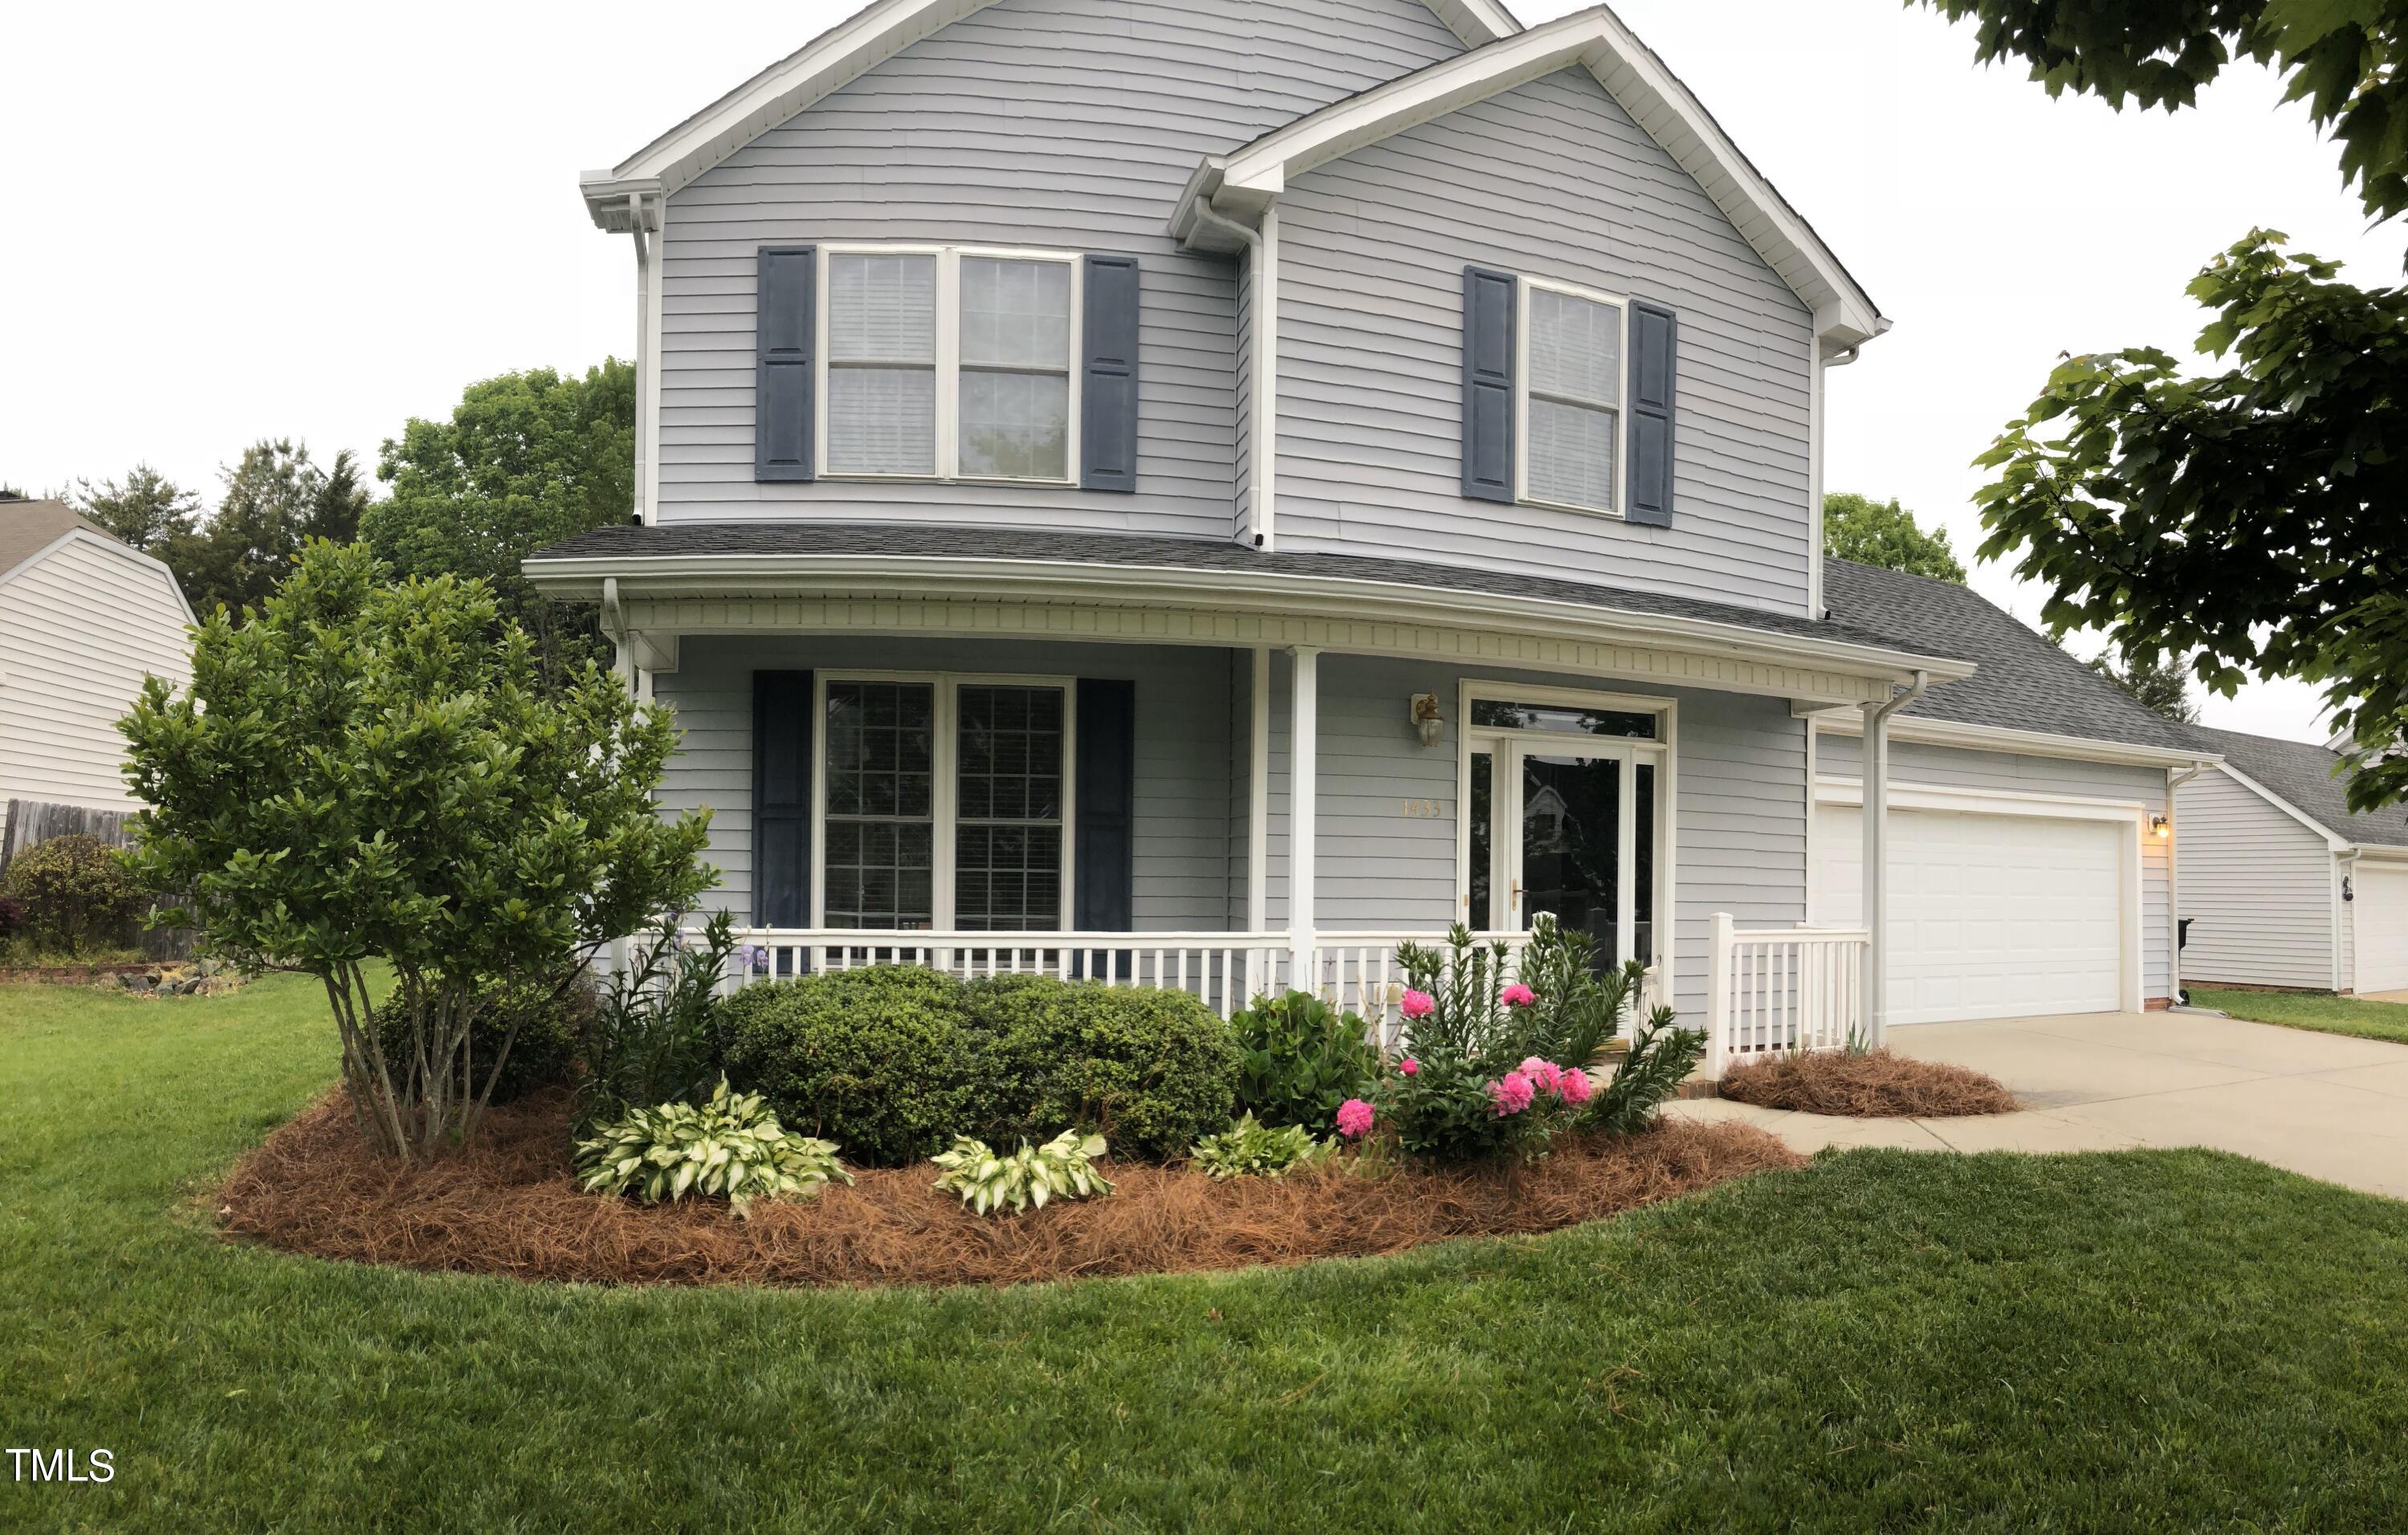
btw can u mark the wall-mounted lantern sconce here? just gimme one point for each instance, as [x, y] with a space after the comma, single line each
[2346, 894]
[2161, 827]
[1425, 719]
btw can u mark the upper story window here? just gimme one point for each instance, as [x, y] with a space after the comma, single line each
[1568, 395]
[945, 363]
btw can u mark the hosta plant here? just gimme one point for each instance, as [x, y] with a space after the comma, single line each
[731, 1147]
[987, 1181]
[1250, 1149]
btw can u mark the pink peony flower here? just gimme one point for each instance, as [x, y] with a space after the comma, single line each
[1545, 1074]
[1511, 1093]
[1518, 995]
[1409, 1066]
[1416, 1004]
[1354, 1119]
[1576, 1086]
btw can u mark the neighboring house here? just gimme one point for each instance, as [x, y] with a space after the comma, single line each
[2282, 883]
[1071, 433]
[83, 619]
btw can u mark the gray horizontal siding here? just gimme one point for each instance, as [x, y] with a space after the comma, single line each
[1063, 124]
[2257, 885]
[1552, 180]
[1182, 790]
[1952, 767]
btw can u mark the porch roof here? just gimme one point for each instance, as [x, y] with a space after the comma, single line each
[734, 558]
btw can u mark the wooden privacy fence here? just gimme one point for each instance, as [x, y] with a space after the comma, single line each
[30, 822]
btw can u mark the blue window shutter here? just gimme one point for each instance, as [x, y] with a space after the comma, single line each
[784, 320]
[781, 798]
[1488, 340]
[1105, 862]
[1108, 408]
[1655, 348]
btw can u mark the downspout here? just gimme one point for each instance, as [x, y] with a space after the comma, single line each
[642, 509]
[1815, 432]
[1875, 774]
[2175, 779]
[1262, 263]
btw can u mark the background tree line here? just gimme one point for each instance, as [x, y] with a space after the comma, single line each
[524, 460]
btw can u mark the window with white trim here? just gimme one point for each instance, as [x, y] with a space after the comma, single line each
[944, 803]
[1569, 395]
[950, 363]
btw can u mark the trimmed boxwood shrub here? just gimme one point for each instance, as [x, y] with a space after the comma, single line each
[891, 1062]
[884, 1061]
[541, 1056]
[1152, 1069]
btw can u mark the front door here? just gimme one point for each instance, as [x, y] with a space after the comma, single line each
[1571, 832]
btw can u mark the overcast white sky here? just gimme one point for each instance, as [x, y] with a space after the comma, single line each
[249, 220]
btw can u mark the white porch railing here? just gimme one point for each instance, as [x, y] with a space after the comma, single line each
[1778, 990]
[1354, 970]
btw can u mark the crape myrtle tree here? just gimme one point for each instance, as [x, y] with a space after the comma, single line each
[2247, 520]
[369, 771]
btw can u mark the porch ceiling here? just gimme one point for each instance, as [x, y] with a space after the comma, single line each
[812, 577]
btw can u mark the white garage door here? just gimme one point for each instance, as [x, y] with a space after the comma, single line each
[1990, 916]
[2379, 895]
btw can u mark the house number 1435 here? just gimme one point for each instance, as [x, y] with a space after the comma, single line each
[1426, 810]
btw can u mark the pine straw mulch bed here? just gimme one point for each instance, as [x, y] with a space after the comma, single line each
[1874, 1084]
[510, 1206]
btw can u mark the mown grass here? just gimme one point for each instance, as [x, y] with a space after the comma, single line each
[1885, 1340]
[2312, 1009]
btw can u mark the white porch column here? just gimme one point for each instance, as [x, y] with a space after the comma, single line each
[1876, 867]
[1258, 813]
[1304, 727]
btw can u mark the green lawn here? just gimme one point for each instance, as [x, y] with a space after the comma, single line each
[2320, 1010]
[2168, 1340]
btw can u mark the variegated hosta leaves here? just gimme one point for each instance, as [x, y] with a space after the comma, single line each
[1250, 1149]
[1058, 1170]
[731, 1147]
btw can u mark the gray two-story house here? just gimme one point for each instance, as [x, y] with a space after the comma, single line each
[1278, 478]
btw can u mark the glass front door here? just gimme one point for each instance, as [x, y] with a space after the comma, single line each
[1569, 830]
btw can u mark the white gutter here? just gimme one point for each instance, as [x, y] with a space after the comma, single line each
[1999, 738]
[1262, 264]
[866, 575]
[1875, 775]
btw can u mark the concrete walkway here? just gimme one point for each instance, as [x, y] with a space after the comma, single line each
[2325, 1105]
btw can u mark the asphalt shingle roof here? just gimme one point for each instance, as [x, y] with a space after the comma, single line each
[2025, 680]
[906, 541]
[2303, 775]
[27, 527]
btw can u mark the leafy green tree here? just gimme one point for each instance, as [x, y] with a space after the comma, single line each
[276, 499]
[526, 460]
[145, 511]
[2162, 687]
[370, 773]
[2248, 518]
[1858, 527]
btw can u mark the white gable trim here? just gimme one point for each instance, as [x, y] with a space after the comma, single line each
[833, 60]
[1240, 185]
[827, 62]
[157, 568]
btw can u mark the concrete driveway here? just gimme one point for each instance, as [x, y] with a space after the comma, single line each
[2325, 1105]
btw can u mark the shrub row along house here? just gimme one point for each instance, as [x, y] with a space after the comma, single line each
[1282, 479]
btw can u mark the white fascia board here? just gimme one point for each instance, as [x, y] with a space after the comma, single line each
[1656, 100]
[2379, 853]
[1906, 795]
[1997, 738]
[827, 62]
[701, 574]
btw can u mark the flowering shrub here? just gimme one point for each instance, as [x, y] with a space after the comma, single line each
[1499, 1060]
[1354, 1118]
[1299, 1058]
